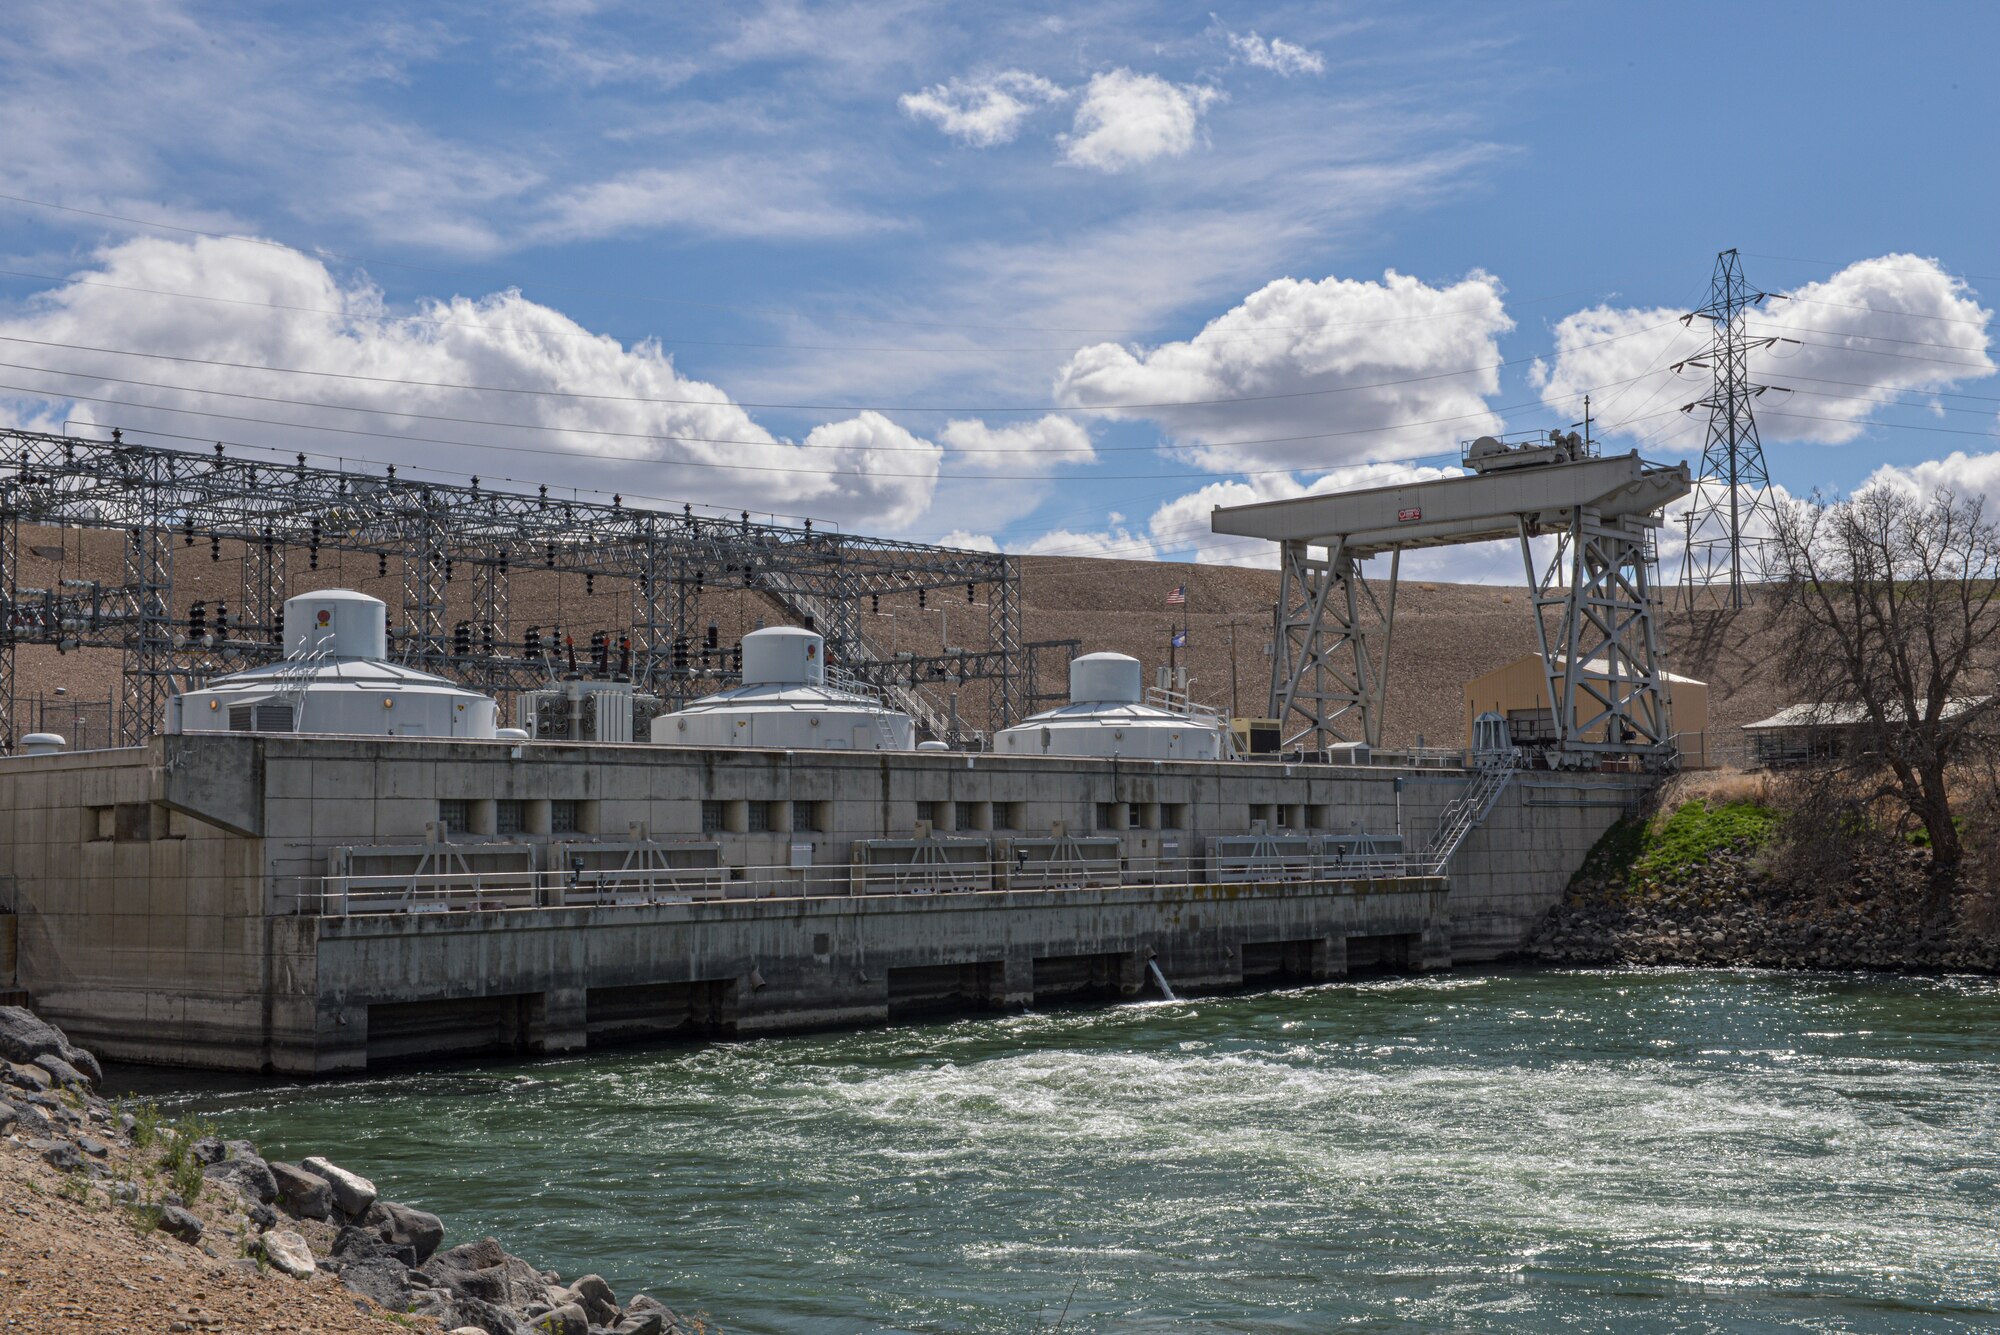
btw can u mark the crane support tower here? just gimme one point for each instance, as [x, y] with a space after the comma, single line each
[1733, 514]
[1593, 596]
[457, 544]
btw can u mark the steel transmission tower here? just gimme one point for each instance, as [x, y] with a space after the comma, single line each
[1731, 514]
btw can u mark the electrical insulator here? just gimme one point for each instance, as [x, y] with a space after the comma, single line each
[624, 655]
[920, 599]
[875, 603]
[697, 581]
[381, 565]
[461, 639]
[569, 650]
[968, 593]
[714, 635]
[221, 617]
[736, 657]
[197, 620]
[680, 653]
[187, 528]
[549, 554]
[447, 570]
[531, 643]
[589, 584]
[486, 638]
[214, 547]
[278, 631]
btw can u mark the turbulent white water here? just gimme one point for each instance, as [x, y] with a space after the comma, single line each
[1637, 1151]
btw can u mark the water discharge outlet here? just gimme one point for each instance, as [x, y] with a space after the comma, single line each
[1161, 979]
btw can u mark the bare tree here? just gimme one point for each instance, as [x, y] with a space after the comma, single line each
[1888, 607]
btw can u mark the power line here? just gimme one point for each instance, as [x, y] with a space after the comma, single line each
[726, 402]
[682, 463]
[712, 440]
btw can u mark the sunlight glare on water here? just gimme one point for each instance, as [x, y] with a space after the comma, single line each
[1506, 1151]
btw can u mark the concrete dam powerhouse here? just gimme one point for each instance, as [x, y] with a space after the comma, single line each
[336, 862]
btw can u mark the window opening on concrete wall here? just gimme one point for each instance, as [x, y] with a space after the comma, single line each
[510, 816]
[563, 817]
[758, 818]
[713, 816]
[454, 815]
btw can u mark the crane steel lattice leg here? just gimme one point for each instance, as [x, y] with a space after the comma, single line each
[1323, 680]
[1606, 685]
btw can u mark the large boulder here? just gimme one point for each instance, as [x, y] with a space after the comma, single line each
[28, 1076]
[599, 1303]
[62, 1072]
[352, 1192]
[406, 1226]
[569, 1319]
[301, 1194]
[32, 1121]
[288, 1253]
[180, 1224]
[24, 1036]
[249, 1174]
[382, 1278]
[354, 1243]
[484, 1271]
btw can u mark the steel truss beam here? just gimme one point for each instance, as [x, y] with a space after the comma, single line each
[445, 538]
[1327, 678]
[1601, 659]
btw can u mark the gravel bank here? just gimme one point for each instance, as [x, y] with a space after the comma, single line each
[113, 1221]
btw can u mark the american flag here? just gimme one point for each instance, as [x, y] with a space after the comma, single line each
[1178, 596]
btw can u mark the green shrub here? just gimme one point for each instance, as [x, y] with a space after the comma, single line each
[1694, 832]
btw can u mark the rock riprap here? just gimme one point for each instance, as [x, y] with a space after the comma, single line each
[315, 1221]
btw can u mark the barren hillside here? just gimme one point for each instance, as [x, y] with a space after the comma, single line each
[1445, 633]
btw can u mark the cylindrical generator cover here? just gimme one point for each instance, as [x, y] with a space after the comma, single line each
[1105, 679]
[336, 623]
[784, 655]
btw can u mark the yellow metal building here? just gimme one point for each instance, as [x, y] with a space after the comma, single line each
[1519, 693]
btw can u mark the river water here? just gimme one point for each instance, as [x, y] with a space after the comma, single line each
[1625, 1151]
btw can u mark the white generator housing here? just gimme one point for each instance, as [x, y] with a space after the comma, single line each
[784, 702]
[335, 678]
[1107, 716]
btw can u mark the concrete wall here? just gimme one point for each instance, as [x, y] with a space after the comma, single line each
[155, 885]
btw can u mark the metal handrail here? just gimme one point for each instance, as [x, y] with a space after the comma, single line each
[485, 891]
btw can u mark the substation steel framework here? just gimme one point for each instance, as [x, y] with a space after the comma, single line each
[1594, 600]
[445, 536]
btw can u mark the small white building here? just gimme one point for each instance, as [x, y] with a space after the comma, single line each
[335, 678]
[1107, 716]
[784, 702]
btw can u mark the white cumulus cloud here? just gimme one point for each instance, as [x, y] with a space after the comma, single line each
[1050, 440]
[1127, 120]
[1276, 55]
[1967, 476]
[1848, 346]
[498, 386]
[982, 111]
[1313, 375]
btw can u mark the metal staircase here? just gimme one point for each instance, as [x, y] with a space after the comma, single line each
[1466, 812]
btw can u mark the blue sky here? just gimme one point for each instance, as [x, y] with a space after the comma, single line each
[916, 269]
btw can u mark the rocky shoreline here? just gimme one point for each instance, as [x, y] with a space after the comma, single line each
[1729, 911]
[247, 1218]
